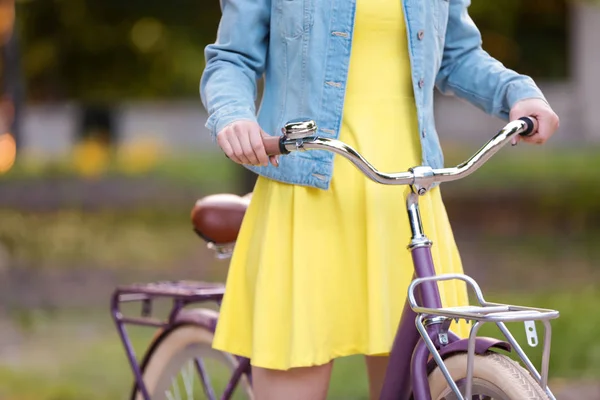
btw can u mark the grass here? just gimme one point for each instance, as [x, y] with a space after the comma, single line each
[71, 356]
[544, 169]
[110, 238]
[77, 354]
[113, 239]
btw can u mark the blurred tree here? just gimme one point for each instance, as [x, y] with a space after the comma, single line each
[114, 49]
[11, 82]
[7, 20]
[530, 36]
[103, 52]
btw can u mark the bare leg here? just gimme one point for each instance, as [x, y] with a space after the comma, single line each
[376, 366]
[309, 383]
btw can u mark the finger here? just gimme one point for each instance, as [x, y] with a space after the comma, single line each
[546, 128]
[244, 139]
[258, 147]
[274, 160]
[226, 147]
[534, 139]
[244, 135]
[543, 132]
[237, 149]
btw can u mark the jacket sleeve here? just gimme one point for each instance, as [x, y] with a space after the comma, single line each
[470, 73]
[228, 87]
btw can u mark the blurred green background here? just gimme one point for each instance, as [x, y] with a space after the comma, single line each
[101, 99]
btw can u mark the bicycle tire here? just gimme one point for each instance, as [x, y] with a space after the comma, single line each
[496, 374]
[173, 349]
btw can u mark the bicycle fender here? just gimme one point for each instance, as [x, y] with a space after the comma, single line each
[198, 316]
[482, 346]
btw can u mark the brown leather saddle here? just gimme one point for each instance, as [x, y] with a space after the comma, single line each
[217, 218]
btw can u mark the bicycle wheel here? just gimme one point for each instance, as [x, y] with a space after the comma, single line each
[170, 368]
[495, 376]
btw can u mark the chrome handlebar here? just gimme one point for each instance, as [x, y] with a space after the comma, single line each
[299, 135]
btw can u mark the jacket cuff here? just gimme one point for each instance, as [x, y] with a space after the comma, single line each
[523, 90]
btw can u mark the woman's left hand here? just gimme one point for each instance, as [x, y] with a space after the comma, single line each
[547, 119]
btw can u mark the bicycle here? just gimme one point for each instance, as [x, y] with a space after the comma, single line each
[427, 360]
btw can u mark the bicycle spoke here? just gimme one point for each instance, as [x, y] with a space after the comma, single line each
[208, 391]
[169, 395]
[188, 380]
[198, 373]
[176, 387]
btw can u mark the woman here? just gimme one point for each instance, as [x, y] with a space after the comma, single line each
[320, 269]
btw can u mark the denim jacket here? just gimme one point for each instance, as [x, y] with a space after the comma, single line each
[302, 47]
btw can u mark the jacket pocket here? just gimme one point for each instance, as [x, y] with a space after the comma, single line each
[294, 17]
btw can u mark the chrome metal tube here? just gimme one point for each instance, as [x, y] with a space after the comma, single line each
[546, 353]
[471, 358]
[484, 154]
[519, 350]
[437, 358]
[335, 146]
[408, 178]
[414, 217]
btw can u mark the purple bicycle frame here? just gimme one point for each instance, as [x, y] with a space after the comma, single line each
[409, 364]
[407, 373]
[407, 369]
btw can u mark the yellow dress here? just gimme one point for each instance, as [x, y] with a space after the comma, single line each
[320, 274]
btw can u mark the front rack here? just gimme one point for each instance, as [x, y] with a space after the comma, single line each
[485, 312]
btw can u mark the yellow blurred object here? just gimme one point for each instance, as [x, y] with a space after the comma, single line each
[91, 157]
[139, 157]
[8, 152]
[147, 34]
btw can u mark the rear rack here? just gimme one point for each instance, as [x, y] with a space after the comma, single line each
[185, 290]
[485, 312]
[181, 293]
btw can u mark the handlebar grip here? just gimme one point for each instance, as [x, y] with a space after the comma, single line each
[274, 145]
[532, 125]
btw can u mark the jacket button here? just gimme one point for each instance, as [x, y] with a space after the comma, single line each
[420, 35]
[421, 83]
[424, 133]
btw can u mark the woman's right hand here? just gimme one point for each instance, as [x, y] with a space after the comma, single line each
[242, 141]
